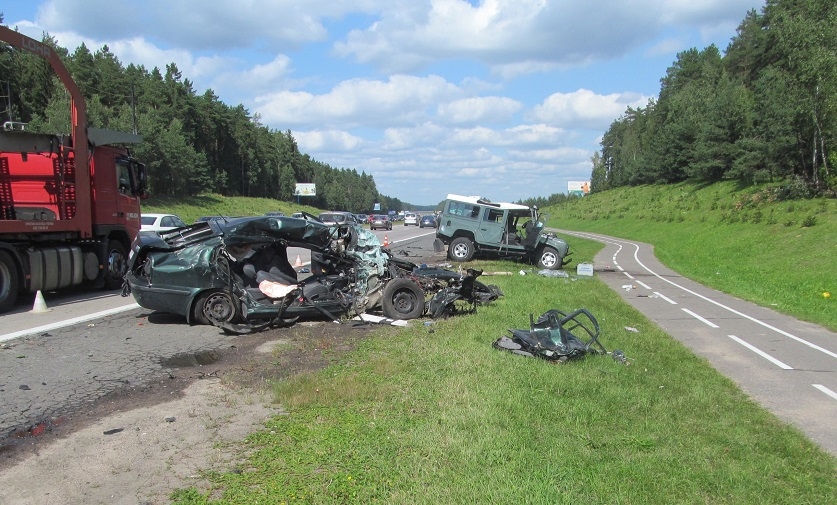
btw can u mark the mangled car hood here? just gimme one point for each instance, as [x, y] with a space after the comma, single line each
[245, 230]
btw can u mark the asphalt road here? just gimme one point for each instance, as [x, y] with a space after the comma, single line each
[786, 365]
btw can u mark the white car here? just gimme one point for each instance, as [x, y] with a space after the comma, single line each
[411, 218]
[160, 222]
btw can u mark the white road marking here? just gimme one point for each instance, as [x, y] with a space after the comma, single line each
[701, 319]
[718, 304]
[646, 286]
[664, 297]
[761, 353]
[67, 322]
[825, 390]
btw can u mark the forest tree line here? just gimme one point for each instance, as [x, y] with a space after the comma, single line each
[192, 143]
[764, 111]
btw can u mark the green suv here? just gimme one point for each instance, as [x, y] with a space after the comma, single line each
[472, 226]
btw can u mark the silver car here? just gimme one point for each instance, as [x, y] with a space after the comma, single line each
[338, 218]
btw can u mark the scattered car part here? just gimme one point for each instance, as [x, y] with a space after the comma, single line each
[462, 295]
[556, 336]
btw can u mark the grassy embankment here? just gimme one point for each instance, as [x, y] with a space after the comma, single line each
[415, 416]
[191, 208]
[778, 254]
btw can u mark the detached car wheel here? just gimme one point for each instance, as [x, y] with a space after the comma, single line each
[403, 299]
[461, 249]
[213, 305]
[549, 259]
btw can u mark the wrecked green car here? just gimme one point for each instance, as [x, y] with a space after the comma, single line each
[235, 274]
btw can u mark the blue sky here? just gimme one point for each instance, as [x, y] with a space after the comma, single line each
[505, 99]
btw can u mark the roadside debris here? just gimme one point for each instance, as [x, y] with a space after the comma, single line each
[619, 357]
[553, 336]
[631, 329]
[371, 318]
[462, 295]
[584, 269]
[553, 273]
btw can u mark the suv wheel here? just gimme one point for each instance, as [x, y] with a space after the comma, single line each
[461, 249]
[549, 259]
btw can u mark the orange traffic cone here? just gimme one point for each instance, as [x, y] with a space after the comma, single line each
[298, 261]
[386, 240]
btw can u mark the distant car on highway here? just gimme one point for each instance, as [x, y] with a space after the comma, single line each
[338, 218]
[362, 218]
[411, 218]
[274, 214]
[160, 222]
[427, 221]
[380, 221]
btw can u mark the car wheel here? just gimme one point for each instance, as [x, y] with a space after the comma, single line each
[9, 282]
[116, 264]
[549, 259]
[403, 299]
[461, 249]
[213, 305]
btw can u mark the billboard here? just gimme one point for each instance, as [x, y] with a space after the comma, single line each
[305, 189]
[578, 188]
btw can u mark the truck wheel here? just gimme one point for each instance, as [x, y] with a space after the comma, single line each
[9, 281]
[116, 264]
[403, 299]
[461, 249]
[549, 259]
[213, 305]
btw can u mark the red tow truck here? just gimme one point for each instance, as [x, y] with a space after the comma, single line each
[69, 204]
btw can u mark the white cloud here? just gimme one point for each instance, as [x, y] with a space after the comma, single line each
[200, 25]
[586, 109]
[473, 110]
[402, 99]
[520, 36]
[326, 141]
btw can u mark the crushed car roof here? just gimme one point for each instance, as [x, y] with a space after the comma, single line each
[296, 232]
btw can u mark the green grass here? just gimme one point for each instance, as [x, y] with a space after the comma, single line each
[414, 416]
[442, 417]
[737, 241]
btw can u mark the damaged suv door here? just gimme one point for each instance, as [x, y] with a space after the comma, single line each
[471, 226]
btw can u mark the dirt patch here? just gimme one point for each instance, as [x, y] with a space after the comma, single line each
[137, 447]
